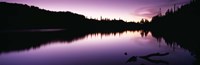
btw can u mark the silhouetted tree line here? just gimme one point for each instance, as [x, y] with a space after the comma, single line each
[22, 16]
[181, 18]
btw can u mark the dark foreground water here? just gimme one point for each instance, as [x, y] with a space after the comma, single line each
[124, 48]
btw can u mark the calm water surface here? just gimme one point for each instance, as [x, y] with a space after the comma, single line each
[124, 48]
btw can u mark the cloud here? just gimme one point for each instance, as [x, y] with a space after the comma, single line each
[146, 12]
[150, 11]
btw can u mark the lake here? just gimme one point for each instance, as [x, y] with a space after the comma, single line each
[119, 48]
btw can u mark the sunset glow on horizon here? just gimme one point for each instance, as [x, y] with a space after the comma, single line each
[127, 10]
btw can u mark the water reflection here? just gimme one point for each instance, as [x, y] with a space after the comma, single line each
[86, 48]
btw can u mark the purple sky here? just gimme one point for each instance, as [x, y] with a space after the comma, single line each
[128, 10]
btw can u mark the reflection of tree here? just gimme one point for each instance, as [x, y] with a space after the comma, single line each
[144, 33]
[186, 40]
[19, 41]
